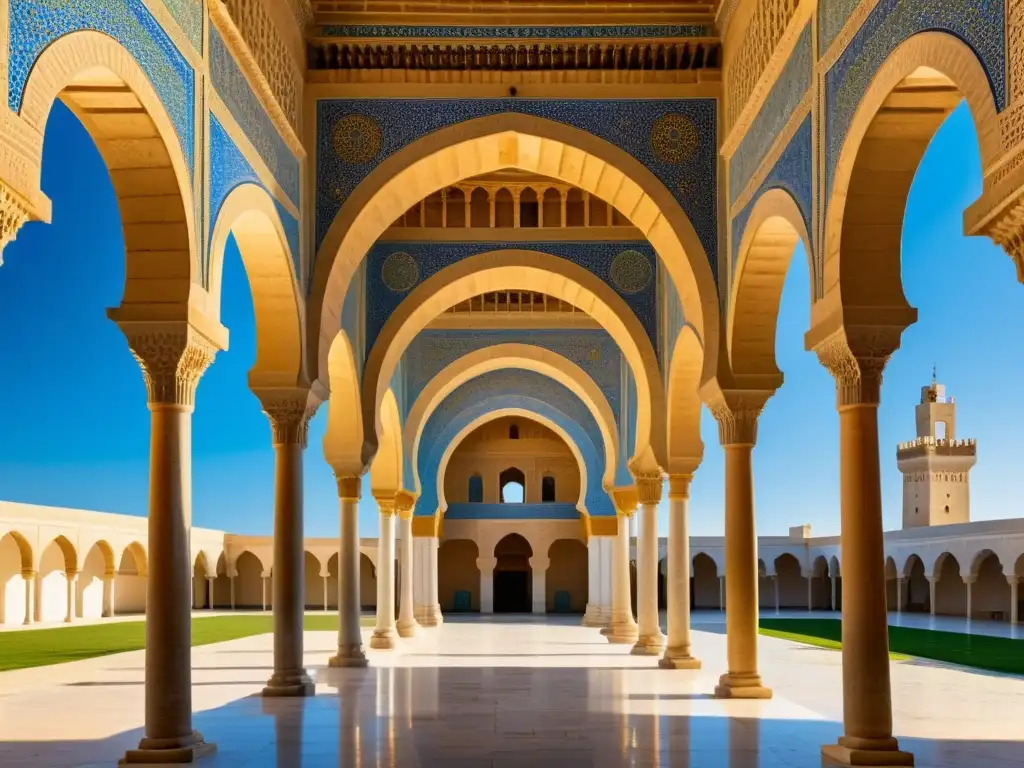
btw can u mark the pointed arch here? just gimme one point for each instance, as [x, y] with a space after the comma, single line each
[386, 469]
[685, 449]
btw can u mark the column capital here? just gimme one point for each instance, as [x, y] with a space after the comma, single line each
[649, 488]
[289, 411]
[27, 573]
[14, 213]
[486, 563]
[173, 356]
[679, 486]
[856, 357]
[969, 578]
[1011, 580]
[349, 487]
[405, 503]
[71, 575]
[736, 413]
[386, 504]
[1006, 229]
[625, 498]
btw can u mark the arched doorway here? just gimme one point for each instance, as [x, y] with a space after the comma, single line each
[513, 576]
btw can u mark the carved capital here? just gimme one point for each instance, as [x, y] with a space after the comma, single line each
[13, 214]
[289, 412]
[405, 503]
[737, 414]
[386, 504]
[649, 488]
[173, 357]
[856, 358]
[679, 486]
[349, 488]
[1007, 230]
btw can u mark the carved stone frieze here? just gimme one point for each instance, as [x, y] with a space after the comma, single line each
[173, 357]
[856, 358]
[13, 214]
[289, 412]
[1007, 230]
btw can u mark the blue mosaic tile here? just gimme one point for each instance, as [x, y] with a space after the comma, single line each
[496, 390]
[671, 320]
[35, 24]
[233, 88]
[382, 127]
[478, 511]
[632, 31]
[832, 16]
[792, 172]
[189, 15]
[978, 23]
[228, 170]
[433, 257]
[775, 112]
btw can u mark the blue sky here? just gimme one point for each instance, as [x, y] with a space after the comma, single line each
[76, 428]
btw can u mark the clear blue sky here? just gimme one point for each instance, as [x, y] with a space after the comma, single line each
[75, 431]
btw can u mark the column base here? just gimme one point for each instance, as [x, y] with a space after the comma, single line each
[384, 640]
[649, 645]
[678, 658]
[622, 633]
[348, 656]
[408, 628]
[885, 755]
[741, 687]
[291, 683]
[180, 751]
[593, 616]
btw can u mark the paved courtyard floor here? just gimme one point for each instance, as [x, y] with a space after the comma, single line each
[511, 692]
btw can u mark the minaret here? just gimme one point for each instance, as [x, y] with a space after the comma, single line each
[936, 466]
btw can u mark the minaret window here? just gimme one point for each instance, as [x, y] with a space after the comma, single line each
[547, 489]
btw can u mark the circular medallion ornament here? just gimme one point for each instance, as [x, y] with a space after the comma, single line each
[631, 271]
[674, 138]
[400, 272]
[356, 139]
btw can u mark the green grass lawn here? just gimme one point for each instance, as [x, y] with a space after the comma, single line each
[997, 654]
[38, 647]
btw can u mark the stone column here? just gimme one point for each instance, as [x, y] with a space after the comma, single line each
[109, 580]
[592, 615]
[721, 593]
[232, 579]
[407, 624]
[289, 412]
[385, 634]
[677, 651]
[325, 578]
[263, 583]
[810, 591]
[14, 212]
[350, 638]
[1013, 580]
[72, 580]
[436, 619]
[900, 580]
[775, 587]
[737, 430]
[30, 580]
[856, 359]
[173, 357]
[932, 583]
[622, 628]
[832, 583]
[969, 581]
[209, 591]
[650, 641]
[486, 567]
[539, 566]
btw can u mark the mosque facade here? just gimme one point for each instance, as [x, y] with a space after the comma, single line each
[513, 250]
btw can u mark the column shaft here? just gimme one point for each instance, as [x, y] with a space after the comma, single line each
[742, 680]
[209, 592]
[650, 641]
[385, 635]
[486, 567]
[30, 578]
[350, 638]
[407, 624]
[539, 566]
[970, 595]
[1013, 599]
[899, 594]
[677, 650]
[325, 591]
[290, 677]
[71, 579]
[622, 628]
[867, 707]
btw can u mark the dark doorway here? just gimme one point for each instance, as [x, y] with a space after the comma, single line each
[513, 575]
[512, 592]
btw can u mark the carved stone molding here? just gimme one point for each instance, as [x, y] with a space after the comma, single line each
[405, 502]
[349, 488]
[1007, 230]
[679, 486]
[649, 488]
[289, 412]
[13, 214]
[737, 414]
[856, 358]
[387, 505]
[173, 357]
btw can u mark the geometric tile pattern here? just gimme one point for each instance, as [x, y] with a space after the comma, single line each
[189, 15]
[35, 24]
[637, 31]
[684, 161]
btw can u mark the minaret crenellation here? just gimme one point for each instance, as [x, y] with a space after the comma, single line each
[936, 464]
